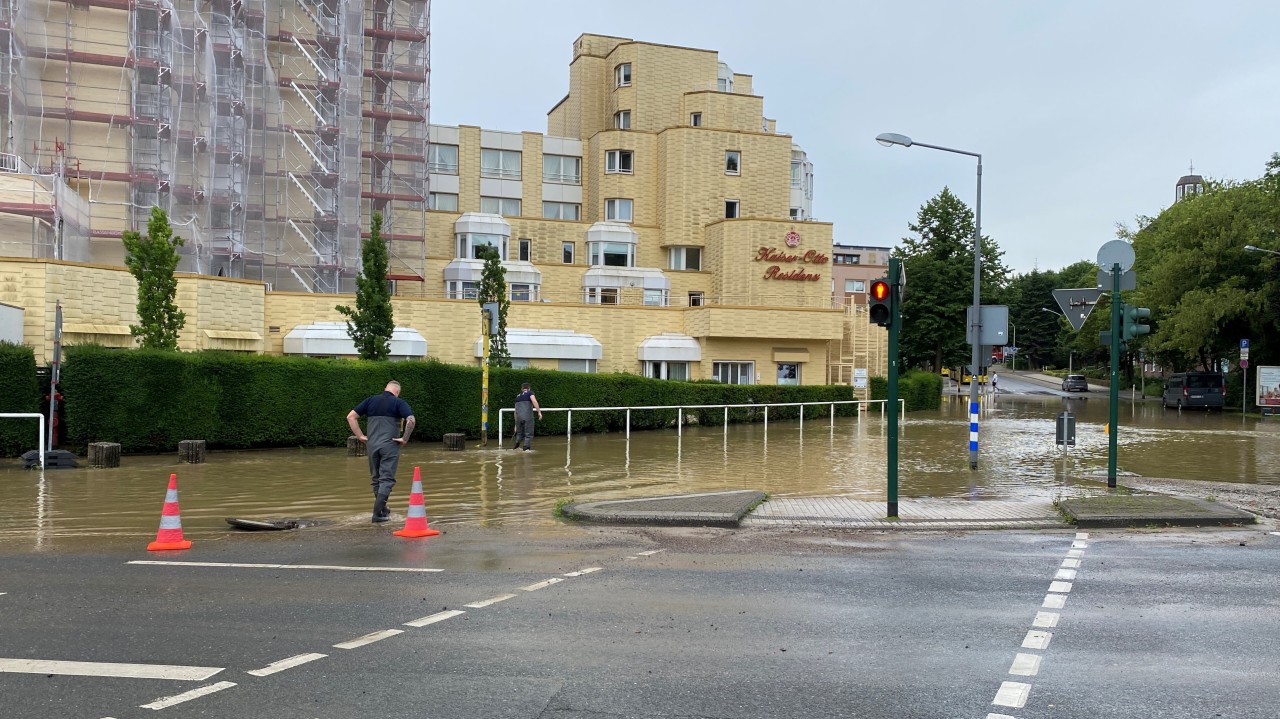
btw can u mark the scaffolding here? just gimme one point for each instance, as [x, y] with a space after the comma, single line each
[270, 132]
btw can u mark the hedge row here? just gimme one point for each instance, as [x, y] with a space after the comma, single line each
[19, 392]
[150, 400]
[921, 390]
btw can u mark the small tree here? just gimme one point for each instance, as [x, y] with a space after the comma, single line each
[370, 323]
[493, 288]
[151, 260]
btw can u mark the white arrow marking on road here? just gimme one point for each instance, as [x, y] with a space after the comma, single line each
[437, 617]
[163, 702]
[486, 602]
[107, 669]
[284, 664]
[541, 585]
[243, 565]
[369, 639]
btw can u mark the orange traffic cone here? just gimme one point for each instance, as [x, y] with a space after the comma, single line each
[415, 524]
[170, 534]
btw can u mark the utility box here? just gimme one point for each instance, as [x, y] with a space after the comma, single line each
[1066, 436]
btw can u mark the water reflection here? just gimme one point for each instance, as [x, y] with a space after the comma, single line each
[502, 487]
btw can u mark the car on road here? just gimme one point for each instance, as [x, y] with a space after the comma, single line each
[1200, 390]
[1075, 383]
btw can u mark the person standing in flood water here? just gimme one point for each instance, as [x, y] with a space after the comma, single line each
[384, 413]
[526, 406]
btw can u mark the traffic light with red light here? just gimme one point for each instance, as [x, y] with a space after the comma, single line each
[880, 302]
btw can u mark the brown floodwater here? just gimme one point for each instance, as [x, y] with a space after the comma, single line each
[501, 487]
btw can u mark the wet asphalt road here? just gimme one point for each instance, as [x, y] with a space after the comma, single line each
[716, 623]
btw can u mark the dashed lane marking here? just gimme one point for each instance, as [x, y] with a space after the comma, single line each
[163, 702]
[245, 565]
[369, 638]
[581, 572]
[1045, 619]
[543, 584]
[1075, 553]
[284, 664]
[1012, 694]
[1079, 545]
[1070, 563]
[1060, 587]
[1025, 665]
[433, 618]
[1067, 574]
[1037, 640]
[1000, 716]
[1054, 601]
[649, 553]
[107, 669]
[486, 602]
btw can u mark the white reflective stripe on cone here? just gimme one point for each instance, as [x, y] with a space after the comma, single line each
[417, 510]
[170, 521]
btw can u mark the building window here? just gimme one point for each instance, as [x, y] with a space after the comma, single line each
[602, 295]
[854, 286]
[505, 206]
[442, 159]
[502, 164]
[618, 161]
[788, 373]
[655, 298]
[795, 174]
[684, 258]
[732, 162]
[697, 299]
[845, 259]
[462, 291]
[724, 84]
[622, 75]
[695, 119]
[796, 213]
[612, 254]
[666, 370]
[577, 365]
[526, 250]
[734, 372]
[730, 209]
[470, 244]
[519, 363]
[524, 293]
[567, 249]
[444, 201]
[561, 211]
[622, 120]
[562, 169]
[617, 209]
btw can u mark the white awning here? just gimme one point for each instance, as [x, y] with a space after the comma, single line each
[330, 339]
[670, 347]
[549, 344]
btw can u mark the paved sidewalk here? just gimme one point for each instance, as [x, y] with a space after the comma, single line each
[912, 514]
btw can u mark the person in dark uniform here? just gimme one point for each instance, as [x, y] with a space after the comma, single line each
[526, 406]
[385, 438]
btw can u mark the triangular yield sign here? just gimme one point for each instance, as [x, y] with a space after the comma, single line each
[1077, 303]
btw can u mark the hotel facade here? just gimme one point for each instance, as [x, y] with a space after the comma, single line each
[662, 226]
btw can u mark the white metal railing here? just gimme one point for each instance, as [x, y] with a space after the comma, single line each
[902, 407]
[30, 415]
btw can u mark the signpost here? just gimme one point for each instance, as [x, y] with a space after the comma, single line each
[1115, 258]
[1244, 380]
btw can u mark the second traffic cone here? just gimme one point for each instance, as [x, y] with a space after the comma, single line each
[415, 523]
[170, 534]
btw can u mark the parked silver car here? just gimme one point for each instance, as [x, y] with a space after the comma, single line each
[1075, 383]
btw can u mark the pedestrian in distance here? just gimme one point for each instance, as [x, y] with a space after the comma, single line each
[390, 421]
[995, 383]
[526, 406]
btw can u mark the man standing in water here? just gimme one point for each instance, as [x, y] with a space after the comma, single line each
[526, 405]
[384, 413]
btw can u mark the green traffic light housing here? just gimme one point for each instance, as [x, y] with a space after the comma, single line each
[1132, 319]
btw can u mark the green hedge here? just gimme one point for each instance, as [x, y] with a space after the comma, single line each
[149, 400]
[19, 392]
[921, 390]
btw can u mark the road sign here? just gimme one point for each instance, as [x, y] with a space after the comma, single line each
[1244, 364]
[1244, 344]
[1077, 303]
[1116, 252]
[1011, 350]
[995, 325]
[1128, 280]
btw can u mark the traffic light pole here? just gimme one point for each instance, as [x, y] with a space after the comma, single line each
[1113, 415]
[895, 324]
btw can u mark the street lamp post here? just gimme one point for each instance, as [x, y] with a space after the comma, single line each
[889, 139]
[1251, 248]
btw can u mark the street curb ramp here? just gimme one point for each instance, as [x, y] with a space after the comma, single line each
[1151, 510]
[711, 509]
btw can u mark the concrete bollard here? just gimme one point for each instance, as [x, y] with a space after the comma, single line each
[356, 448]
[191, 451]
[104, 454]
[455, 441]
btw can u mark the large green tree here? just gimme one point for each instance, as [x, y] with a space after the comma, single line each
[152, 260]
[938, 260]
[370, 322]
[493, 288]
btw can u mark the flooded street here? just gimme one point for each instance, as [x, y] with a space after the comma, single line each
[520, 490]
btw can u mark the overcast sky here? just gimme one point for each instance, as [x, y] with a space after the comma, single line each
[1086, 113]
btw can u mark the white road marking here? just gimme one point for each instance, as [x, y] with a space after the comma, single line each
[1054, 601]
[1275, 533]
[650, 552]
[1060, 587]
[284, 664]
[1000, 716]
[1077, 553]
[1067, 574]
[437, 617]
[4, 593]
[244, 565]
[1071, 563]
[1025, 665]
[1082, 535]
[1037, 640]
[163, 702]
[1045, 619]
[542, 584]
[629, 559]
[581, 572]
[486, 602]
[107, 669]
[369, 638]
[1079, 545]
[1012, 694]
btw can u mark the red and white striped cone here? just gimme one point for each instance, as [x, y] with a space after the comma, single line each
[415, 523]
[170, 534]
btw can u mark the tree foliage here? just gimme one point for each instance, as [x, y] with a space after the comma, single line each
[370, 322]
[493, 288]
[938, 261]
[152, 260]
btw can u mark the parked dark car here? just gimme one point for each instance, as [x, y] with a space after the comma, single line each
[1075, 383]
